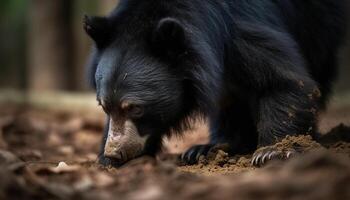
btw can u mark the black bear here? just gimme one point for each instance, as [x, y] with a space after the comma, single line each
[257, 70]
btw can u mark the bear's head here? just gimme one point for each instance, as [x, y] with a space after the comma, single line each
[139, 69]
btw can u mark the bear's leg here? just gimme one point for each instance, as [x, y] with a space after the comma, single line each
[234, 126]
[287, 111]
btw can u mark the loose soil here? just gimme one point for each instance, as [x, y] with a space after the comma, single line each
[50, 154]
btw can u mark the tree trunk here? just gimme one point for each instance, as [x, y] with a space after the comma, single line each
[49, 45]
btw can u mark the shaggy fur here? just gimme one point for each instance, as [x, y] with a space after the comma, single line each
[259, 70]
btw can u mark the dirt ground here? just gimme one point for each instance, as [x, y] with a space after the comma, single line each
[47, 154]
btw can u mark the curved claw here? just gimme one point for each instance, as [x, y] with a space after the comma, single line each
[261, 157]
[273, 155]
[290, 154]
[192, 155]
[264, 158]
[256, 159]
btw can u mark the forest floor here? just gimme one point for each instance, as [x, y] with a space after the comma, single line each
[51, 154]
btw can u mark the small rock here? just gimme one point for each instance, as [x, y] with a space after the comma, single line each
[64, 168]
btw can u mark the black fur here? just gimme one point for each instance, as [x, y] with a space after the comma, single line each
[259, 70]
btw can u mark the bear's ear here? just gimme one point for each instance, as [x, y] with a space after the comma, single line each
[97, 28]
[169, 37]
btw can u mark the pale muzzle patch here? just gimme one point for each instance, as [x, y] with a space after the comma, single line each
[124, 142]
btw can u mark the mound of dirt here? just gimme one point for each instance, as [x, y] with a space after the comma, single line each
[304, 142]
[219, 162]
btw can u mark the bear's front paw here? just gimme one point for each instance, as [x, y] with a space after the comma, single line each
[266, 154]
[192, 155]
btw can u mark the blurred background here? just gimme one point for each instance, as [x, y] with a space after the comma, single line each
[43, 52]
[43, 46]
[44, 49]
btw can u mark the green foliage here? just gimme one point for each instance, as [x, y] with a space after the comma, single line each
[12, 9]
[12, 37]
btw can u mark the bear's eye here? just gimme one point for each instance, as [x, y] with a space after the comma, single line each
[135, 111]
